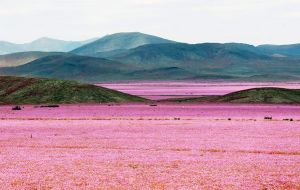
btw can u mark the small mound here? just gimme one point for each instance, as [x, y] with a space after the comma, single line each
[19, 90]
[261, 95]
[255, 95]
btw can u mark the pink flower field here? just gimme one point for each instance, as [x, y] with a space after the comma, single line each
[170, 89]
[136, 146]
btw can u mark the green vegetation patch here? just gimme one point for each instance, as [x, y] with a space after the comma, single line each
[18, 90]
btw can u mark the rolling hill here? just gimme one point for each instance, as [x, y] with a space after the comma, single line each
[42, 44]
[159, 60]
[255, 95]
[90, 69]
[7, 47]
[169, 61]
[292, 50]
[237, 60]
[17, 59]
[19, 90]
[71, 67]
[154, 55]
[262, 95]
[118, 41]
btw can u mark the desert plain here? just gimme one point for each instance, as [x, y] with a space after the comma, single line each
[146, 146]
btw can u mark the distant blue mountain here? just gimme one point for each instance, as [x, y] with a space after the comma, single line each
[281, 50]
[210, 59]
[42, 44]
[137, 56]
[17, 59]
[119, 41]
[166, 62]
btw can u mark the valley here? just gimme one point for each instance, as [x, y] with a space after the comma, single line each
[136, 111]
[159, 90]
[150, 95]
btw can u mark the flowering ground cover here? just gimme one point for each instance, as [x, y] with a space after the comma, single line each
[170, 89]
[137, 146]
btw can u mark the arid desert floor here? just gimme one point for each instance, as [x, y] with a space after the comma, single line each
[137, 146]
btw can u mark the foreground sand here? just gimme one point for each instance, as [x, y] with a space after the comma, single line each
[144, 147]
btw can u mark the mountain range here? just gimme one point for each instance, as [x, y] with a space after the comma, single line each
[72, 67]
[138, 56]
[281, 50]
[209, 59]
[117, 42]
[42, 44]
[16, 59]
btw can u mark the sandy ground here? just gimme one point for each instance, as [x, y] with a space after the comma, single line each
[171, 89]
[144, 147]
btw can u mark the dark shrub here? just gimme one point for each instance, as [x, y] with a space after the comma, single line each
[17, 108]
[268, 118]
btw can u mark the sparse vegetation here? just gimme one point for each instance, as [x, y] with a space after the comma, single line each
[18, 90]
[255, 95]
[262, 95]
[268, 118]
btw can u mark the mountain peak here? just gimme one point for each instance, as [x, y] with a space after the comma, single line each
[47, 40]
[117, 41]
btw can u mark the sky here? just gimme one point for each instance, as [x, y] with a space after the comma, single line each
[192, 21]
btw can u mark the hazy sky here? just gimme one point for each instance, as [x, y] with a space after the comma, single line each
[248, 21]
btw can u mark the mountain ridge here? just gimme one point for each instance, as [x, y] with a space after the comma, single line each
[208, 58]
[21, 58]
[70, 67]
[115, 57]
[44, 44]
[166, 61]
[119, 41]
